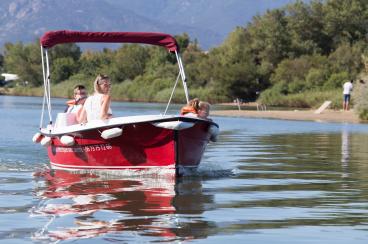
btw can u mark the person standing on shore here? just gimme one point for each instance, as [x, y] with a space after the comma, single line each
[347, 88]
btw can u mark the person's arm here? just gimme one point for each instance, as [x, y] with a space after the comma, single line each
[81, 115]
[105, 105]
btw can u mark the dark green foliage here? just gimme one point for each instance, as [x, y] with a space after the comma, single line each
[128, 62]
[183, 41]
[68, 50]
[93, 63]
[64, 61]
[327, 42]
[345, 21]
[24, 60]
[347, 58]
[336, 80]
[305, 27]
[63, 68]
[1, 62]
[360, 99]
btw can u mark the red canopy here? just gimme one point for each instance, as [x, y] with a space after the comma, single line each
[51, 38]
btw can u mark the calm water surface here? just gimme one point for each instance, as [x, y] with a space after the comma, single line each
[264, 181]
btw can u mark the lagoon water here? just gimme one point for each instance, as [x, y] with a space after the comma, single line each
[264, 181]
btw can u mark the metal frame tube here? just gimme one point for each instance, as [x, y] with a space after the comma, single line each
[44, 92]
[172, 93]
[48, 86]
[182, 73]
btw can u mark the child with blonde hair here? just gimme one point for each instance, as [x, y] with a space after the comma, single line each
[196, 108]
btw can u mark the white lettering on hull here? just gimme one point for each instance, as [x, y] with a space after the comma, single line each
[87, 148]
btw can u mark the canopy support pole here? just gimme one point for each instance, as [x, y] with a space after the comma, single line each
[46, 84]
[172, 93]
[44, 87]
[182, 73]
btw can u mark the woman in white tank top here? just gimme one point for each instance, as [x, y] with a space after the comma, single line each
[97, 106]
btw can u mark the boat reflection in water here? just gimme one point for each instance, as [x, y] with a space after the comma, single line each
[89, 205]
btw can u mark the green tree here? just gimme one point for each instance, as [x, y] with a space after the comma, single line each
[346, 58]
[231, 71]
[64, 61]
[346, 21]
[158, 58]
[25, 61]
[336, 80]
[305, 27]
[183, 41]
[300, 73]
[129, 61]
[268, 39]
[194, 58]
[95, 62]
[67, 50]
[63, 68]
[316, 77]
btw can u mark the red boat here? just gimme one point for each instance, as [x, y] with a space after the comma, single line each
[133, 142]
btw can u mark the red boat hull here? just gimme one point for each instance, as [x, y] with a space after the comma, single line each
[141, 146]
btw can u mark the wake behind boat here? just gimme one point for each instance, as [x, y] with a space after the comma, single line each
[132, 142]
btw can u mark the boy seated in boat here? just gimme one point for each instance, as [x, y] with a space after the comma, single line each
[204, 110]
[75, 105]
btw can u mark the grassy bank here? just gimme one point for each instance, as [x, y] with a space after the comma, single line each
[139, 90]
[127, 91]
[132, 91]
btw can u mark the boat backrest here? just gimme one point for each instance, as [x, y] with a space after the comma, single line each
[65, 119]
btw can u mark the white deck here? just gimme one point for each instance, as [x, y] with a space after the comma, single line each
[118, 121]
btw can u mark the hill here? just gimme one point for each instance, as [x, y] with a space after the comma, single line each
[209, 21]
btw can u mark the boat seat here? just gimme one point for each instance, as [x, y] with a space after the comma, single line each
[65, 119]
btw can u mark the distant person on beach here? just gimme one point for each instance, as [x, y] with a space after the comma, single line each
[347, 88]
[75, 105]
[97, 106]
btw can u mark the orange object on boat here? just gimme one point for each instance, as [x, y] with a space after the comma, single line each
[187, 109]
[71, 102]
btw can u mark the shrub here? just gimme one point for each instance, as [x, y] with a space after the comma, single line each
[360, 96]
[27, 91]
[336, 80]
[316, 77]
[65, 89]
[296, 86]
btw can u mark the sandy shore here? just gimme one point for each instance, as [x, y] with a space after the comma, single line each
[325, 116]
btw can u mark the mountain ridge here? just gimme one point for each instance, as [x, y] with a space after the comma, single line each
[207, 21]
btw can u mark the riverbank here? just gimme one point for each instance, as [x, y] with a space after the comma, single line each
[326, 116]
[2, 91]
